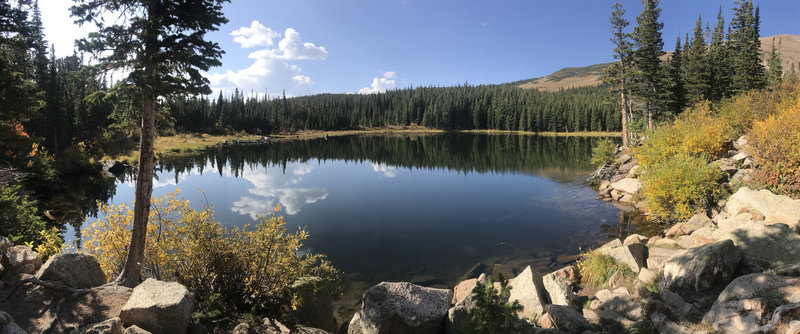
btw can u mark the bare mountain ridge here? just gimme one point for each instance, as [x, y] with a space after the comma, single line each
[787, 45]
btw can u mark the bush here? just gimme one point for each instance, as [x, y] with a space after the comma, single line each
[596, 268]
[676, 187]
[695, 133]
[19, 220]
[776, 148]
[493, 312]
[232, 271]
[603, 151]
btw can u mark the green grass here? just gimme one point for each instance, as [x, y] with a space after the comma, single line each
[596, 268]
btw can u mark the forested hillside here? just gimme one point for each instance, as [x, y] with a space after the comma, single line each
[451, 108]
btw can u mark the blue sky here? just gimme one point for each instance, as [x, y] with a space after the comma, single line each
[325, 46]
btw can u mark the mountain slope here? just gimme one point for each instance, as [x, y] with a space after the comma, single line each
[788, 46]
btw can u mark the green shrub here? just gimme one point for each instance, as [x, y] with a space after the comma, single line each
[676, 187]
[19, 220]
[603, 151]
[493, 312]
[596, 268]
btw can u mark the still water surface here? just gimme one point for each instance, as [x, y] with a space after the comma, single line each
[423, 208]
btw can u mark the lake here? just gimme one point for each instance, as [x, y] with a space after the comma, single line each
[426, 208]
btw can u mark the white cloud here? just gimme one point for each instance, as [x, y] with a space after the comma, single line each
[387, 171]
[272, 67]
[255, 35]
[59, 27]
[380, 85]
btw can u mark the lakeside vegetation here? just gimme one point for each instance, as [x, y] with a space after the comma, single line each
[61, 118]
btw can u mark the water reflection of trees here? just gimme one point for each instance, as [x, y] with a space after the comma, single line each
[75, 196]
[560, 157]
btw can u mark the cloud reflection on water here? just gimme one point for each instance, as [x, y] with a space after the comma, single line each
[270, 188]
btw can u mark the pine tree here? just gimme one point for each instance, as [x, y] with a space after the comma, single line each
[719, 62]
[622, 51]
[674, 82]
[648, 47]
[163, 45]
[748, 73]
[697, 86]
[775, 67]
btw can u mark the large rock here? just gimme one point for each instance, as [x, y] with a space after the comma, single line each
[75, 270]
[635, 255]
[558, 288]
[463, 289]
[657, 256]
[740, 308]
[159, 307]
[773, 244]
[567, 319]
[528, 289]
[315, 308]
[401, 307]
[22, 257]
[702, 267]
[775, 208]
[628, 185]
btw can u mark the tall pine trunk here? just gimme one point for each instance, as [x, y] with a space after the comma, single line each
[130, 275]
[144, 189]
[622, 96]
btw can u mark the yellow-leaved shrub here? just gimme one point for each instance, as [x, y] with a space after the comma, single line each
[676, 187]
[232, 271]
[695, 132]
[776, 148]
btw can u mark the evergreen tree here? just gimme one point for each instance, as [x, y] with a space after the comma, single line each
[648, 47]
[697, 85]
[163, 45]
[748, 73]
[674, 82]
[775, 67]
[622, 50]
[719, 62]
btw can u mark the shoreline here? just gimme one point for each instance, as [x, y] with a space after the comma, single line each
[187, 144]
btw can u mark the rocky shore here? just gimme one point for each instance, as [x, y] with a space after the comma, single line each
[732, 269]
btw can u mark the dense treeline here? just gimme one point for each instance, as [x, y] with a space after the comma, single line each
[452, 108]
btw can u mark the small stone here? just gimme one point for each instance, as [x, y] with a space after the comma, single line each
[633, 239]
[567, 319]
[675, 230]
[686, 241]
[591, 316]
[647, 276]
[110, 326]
